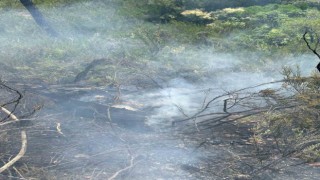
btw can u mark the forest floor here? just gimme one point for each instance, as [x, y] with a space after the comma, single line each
[81, 134]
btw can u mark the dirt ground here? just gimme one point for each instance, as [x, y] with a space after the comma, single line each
[71, 138]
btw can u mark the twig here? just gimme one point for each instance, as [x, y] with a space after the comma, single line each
[198, 114]
[59, 130]
[16, 101]
[20, 154]
[180, 109]
[205, 98]
[125, 143]
[18, 172]
[245, 116]
[23, 143]
[94, 170]
[9, 113]
[271, 163]
[122, 170]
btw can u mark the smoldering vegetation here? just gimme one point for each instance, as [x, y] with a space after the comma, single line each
[119, 121]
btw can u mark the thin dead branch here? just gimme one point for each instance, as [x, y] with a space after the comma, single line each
[15, 101]
[23, 143]
[315, 48]
[217, 98]
[116, 174]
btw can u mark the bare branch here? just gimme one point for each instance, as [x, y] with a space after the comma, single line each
[122, 170]
[23, 143]
[15, 101]
[314, 50]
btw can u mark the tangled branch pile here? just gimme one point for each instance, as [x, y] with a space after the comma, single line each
[269, 124]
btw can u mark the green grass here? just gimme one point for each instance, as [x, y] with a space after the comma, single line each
[111, 29]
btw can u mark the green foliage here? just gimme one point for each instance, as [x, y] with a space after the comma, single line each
[271, 30]
[277, 37]
[154, 10]
[197, 16]
[154, 38]
[274, 27]
[17, 4]
[6, 4]
[211, 5]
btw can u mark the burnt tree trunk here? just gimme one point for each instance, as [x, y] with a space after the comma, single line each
[38, 17]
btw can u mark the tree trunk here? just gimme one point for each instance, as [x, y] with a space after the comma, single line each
[38, 17]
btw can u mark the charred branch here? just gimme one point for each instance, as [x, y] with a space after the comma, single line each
[309, 43]
[23, 143]
[18, 96]
[83, 74]
[270, 121]
[13, 110]
[237, 103]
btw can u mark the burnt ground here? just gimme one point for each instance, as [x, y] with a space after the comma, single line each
[72, 137]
